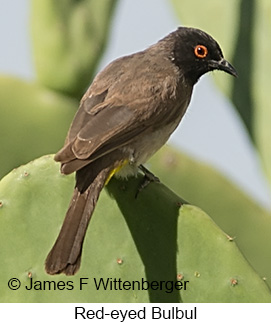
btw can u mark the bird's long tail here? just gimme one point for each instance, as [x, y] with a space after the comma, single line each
[65, 255]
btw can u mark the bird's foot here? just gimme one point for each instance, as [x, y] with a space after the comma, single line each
[149, 177]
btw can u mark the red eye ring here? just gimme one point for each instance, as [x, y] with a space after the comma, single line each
[201, 51]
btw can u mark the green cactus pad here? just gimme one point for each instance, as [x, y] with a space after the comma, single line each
[68, 40]
[231, 209]
[153, 237]
[213, 264]
[34, 117]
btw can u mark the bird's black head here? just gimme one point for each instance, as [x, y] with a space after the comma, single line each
[196, 53]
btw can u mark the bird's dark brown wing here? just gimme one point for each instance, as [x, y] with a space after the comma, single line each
[82, 115]
[114, 111]
[102, 133]
[108, 130]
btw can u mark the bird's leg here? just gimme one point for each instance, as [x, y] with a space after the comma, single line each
[148, 178]
[149, 175]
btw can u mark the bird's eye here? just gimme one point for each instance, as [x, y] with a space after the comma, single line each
[201, 51]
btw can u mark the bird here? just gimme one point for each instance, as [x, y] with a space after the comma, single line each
[128, 113]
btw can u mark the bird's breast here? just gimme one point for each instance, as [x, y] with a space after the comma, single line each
[143, 147]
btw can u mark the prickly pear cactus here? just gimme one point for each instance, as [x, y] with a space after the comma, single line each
[213, 264]
[230, 208]
[152, 238]
[34, 117]
[68, 39]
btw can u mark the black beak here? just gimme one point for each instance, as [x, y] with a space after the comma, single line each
[223, 65]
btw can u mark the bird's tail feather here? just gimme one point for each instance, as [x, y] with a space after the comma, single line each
[65, 256]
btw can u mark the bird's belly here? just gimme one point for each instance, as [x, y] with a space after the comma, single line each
[143, 147]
